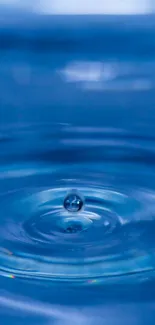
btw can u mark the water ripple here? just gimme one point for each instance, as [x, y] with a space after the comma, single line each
[110, 238]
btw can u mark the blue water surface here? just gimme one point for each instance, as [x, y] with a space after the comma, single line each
[77, 174]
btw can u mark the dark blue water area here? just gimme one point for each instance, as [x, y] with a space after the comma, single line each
[77, 174]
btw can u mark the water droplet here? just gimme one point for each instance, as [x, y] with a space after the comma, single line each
[73, 202]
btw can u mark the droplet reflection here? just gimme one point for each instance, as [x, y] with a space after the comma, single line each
[73, 202]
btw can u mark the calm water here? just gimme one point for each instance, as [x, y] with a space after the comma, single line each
[77, 171]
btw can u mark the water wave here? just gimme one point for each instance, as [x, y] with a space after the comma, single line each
[111, 238]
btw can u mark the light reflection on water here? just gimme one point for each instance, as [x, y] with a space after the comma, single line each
[77, 119]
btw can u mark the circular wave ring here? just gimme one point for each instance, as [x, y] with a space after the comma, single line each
[103, 240]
